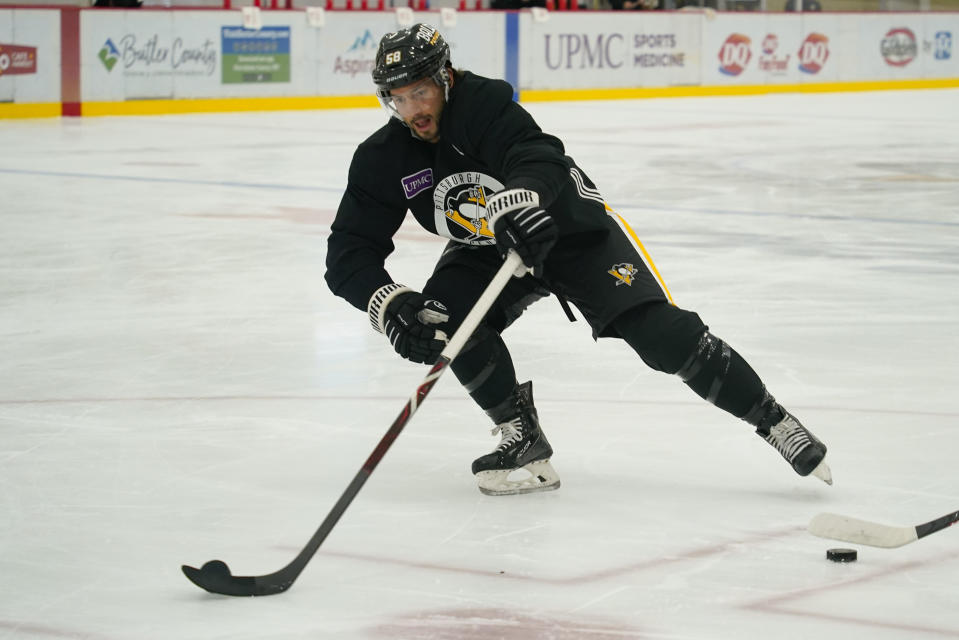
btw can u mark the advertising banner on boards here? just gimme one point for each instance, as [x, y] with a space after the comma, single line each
[255, 55]
[209, 54]
[345, 54]
[29, 55]
[566, 51]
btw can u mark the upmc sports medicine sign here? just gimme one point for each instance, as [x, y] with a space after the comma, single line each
[16, 59]
[603, 50]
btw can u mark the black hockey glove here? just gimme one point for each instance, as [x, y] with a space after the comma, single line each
[519, 223]
[409, 320]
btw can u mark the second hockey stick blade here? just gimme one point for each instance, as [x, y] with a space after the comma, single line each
[873, 534]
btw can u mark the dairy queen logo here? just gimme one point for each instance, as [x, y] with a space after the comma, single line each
[735, 54]
[768, 60]
[770, 43]
[813, 53]
[899, 47]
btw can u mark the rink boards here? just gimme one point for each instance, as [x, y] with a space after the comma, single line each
[94, 62]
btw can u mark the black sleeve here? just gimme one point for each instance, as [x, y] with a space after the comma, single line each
[506, 137]
[361, 237]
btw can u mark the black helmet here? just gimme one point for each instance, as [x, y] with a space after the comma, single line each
[409, 55]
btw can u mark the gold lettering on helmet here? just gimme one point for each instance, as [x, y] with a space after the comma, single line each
[428, 33]
[394, 57]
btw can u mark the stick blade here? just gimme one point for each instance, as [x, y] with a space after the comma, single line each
[215, 577]
[871, 534]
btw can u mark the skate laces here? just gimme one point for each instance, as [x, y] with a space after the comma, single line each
[510, 432]
[789, 437]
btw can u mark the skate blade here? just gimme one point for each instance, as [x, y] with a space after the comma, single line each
[823, 472]
[541, 477]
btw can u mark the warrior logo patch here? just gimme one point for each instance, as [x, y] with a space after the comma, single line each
[459, 207]
[624, 273]
[419, 181]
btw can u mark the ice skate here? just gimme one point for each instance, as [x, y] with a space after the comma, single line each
[523, 449]
[798, 446]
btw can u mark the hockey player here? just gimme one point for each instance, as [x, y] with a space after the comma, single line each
[473, 166]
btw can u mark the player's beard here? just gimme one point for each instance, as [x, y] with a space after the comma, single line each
[426, 127]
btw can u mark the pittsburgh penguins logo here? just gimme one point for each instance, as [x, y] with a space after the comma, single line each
[459, 207]
[624, 273]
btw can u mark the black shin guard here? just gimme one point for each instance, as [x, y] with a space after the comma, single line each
[485, 369]
[718, 374]
[673, 340]
[706, 368]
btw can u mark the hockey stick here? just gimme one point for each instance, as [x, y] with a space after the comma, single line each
[215, 575]
[831, 525]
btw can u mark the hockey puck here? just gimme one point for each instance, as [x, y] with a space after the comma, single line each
[842, 555]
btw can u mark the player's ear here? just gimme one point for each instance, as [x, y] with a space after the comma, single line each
[451, 73]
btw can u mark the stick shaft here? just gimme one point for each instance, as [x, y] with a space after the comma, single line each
[937, 525]
[281, 580]
[453, 347]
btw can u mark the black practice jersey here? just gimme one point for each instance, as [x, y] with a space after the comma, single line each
[487, 143]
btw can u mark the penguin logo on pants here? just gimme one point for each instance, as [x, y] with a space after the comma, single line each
[624, 273]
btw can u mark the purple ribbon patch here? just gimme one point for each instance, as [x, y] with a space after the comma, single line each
[417, 182]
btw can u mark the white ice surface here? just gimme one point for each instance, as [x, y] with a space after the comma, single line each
[177, 384]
